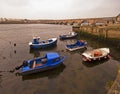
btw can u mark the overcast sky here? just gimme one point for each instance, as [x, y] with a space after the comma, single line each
[58, 9]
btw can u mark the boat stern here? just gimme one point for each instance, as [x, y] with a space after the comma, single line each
[106, 50]
[30, 43]
[25, 69]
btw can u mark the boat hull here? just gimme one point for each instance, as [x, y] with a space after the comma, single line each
[74, 49]
[40, 69]
[63, 37]
[43, 45]
[76, 46]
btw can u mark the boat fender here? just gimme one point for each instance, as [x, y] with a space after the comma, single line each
[89, 59]
[108, 56]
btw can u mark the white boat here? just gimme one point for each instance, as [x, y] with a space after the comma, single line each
[96, 54]
[37, 44]
[68, 36]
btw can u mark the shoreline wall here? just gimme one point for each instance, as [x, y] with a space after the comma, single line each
[107, 33]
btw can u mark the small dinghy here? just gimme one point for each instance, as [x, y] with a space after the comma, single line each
[49, 61]
[69, 36]
[97, 54]
[76, 46]
[37, 44]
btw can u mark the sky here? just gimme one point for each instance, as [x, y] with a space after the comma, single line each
[58, 9]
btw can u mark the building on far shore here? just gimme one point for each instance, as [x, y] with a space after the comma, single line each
[118, 18]
[85, 23]
[99, 24]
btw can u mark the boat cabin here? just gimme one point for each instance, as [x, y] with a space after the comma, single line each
[36, 40]
[50, 58]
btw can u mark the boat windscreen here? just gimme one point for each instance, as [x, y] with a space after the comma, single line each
[36, 41]
[52, 55]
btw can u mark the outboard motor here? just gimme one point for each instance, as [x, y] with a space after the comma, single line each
[25, 63]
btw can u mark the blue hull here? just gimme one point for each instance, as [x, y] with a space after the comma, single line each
[43, 45]
[49, 74]
[41, 69]
[78, 45]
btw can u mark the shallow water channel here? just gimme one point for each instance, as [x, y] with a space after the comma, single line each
[73, 77]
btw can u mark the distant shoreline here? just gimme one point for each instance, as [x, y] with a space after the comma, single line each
[106, 20]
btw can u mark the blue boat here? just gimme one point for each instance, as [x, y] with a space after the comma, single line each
[49, 61]
[69, 36]
[78, 45]
[37, 44]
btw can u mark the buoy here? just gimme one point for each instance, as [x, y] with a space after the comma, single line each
[14, 44]
[108, 56]
[88, 59]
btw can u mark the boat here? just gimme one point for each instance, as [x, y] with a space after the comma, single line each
[37, 44]
[96, 54]
[76, 46]
[69, 36]
[49, 61]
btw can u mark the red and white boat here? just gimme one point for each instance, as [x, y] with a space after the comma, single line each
[96, 54]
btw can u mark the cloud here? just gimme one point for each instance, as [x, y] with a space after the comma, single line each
[108, 8]
[52, 9]
[95, 8]
[15, 3]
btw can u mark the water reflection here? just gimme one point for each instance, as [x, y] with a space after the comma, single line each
[0, 79]
[15, 51]
[80, 51]
[44, 49]
[94, 63]
[36, 52]
[70, 41]
[50, 73]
